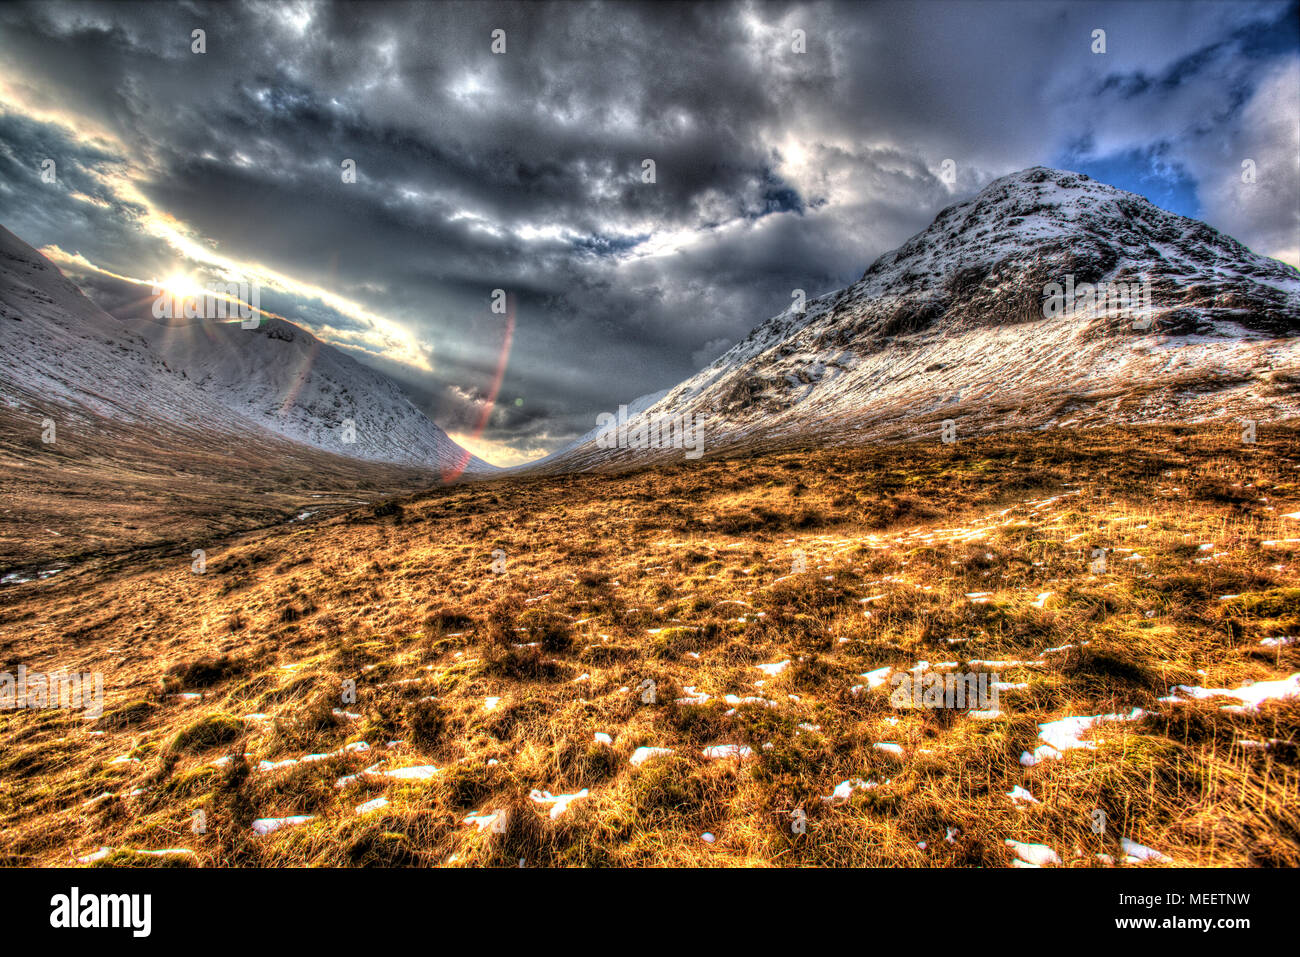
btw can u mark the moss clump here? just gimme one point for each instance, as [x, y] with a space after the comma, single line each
[202, 673]
[550, 629]
[1274, 603]
[425, 723]
[673, 642]
[445, 620]
[467, 784]
[126, 715]
[193, 781]
[604, 654]
[376, 848]
[207, 732]
[668, 784]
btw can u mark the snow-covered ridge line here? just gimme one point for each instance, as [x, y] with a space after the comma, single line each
[952, 325]
[58, 350]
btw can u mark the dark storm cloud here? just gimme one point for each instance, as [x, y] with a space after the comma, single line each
[523, 171]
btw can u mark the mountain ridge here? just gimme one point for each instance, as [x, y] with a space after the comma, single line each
[952, 324]
[279, 379]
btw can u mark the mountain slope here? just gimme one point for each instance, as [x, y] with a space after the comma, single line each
[635, 407]
[58, 348]
[288, 381]
[277, 381]
[951, 325]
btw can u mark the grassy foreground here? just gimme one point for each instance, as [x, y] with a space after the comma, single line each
[493, 630]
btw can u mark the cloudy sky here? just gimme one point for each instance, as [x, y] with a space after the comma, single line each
[775, 168]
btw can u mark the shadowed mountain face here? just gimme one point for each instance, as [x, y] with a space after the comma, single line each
[108, 447]
[1047, 299]
[276, 381]
[286, 380]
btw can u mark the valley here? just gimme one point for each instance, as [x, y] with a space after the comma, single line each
[694, 665]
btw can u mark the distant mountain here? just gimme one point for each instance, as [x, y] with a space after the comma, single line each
[637, 405]
[996, 316]
[288, 381]
[57, 347]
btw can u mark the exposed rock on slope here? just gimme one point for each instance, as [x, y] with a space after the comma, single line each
[952, 325]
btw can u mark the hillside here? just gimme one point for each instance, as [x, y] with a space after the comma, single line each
[104, 449]
[60, 354]
[951, 325]
[698, 665]
[286, 380]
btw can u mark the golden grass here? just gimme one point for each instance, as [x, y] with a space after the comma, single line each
[686, 577]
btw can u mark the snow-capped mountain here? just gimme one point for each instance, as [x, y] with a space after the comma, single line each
[288, 381]
[58, 349]
[991, 318]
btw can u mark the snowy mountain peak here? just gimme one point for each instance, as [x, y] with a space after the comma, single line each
[1048, 213]
[1166, 318]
